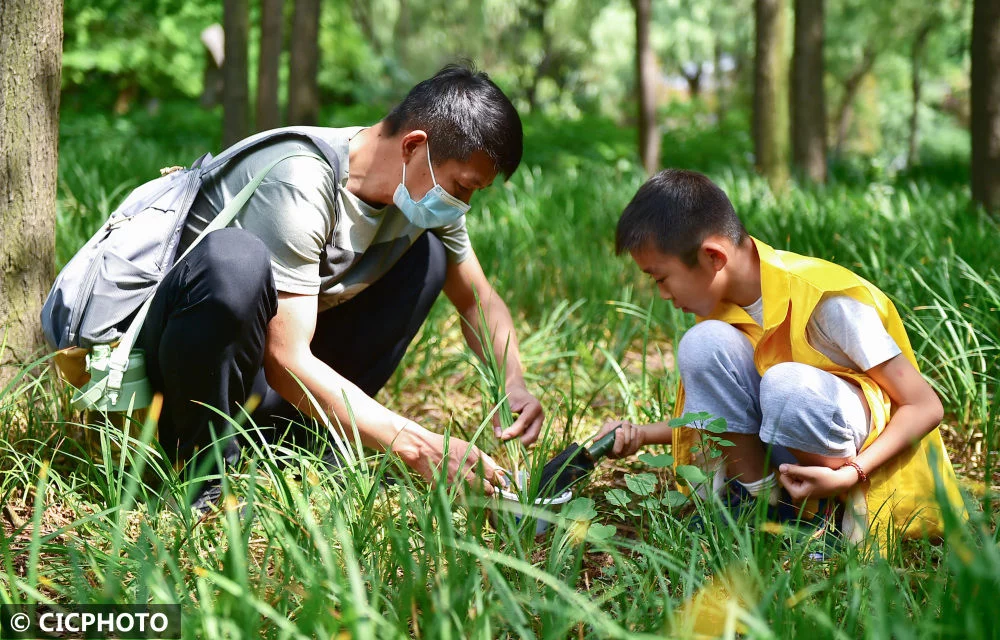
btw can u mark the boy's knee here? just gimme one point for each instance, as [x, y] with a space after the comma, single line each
[786, 379]
[709, 342]
[802, 410]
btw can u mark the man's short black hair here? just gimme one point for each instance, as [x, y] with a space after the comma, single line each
[462, 111]
[674, 212]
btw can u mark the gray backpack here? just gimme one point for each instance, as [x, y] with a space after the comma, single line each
[101, 295]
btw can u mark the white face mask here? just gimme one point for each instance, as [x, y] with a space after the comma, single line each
[437, 208]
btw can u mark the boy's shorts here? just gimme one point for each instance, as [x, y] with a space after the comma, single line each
[794, 406]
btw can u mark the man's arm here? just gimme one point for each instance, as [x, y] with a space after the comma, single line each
[463, 283]
[287, 352]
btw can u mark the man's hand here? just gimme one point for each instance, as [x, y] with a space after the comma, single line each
[816, 482]
[530, 416]
[628, 440]
[423, 451]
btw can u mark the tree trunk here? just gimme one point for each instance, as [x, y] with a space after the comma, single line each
[770, 96]
[985, 125]
[850, 92]
[808, 97]
[645, 63]
[401, 32]
[303, 91]
[694, 80]
[268, 114]
[235, 90]
[361, 10]
[30, 66]
[916, 53]
[720, 85]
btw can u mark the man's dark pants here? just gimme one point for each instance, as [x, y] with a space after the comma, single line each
[205, 332]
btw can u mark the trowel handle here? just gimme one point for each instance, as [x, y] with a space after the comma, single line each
[603, 446]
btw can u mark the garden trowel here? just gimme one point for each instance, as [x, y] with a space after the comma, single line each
[575, 462]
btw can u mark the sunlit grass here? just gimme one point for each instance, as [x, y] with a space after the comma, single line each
[93, 513]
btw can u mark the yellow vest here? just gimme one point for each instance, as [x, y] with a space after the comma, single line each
[901, 494]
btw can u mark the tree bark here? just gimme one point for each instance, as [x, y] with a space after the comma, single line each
[770, 96]
[721, 102]
[268, 114]
[645, 62]
[808, 96]
[235, 89]
[850, 92]
[31, 33]
[401, 32]
[985, 125]
[916, 53]
[694, 80]
[303, 91]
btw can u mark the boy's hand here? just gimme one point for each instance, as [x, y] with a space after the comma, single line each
[815, 482]
[628, 440]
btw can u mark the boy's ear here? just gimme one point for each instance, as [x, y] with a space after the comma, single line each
[714, 255]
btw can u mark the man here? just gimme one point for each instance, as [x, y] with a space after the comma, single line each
[325, 277]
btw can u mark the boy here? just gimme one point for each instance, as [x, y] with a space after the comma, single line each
[799, 355]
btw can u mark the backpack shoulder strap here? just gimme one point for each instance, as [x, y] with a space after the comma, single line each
[268, 137]
[118, 362]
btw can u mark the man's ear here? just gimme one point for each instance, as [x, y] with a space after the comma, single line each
[411, 141]
[713, 254]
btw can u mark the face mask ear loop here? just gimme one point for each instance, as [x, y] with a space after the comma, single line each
[404, 175]
[430, 165]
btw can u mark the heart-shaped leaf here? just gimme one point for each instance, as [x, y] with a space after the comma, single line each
[691, 474]
[580, 509]
[660, 461]
[641, 484]
[601, 532]
[617, 497]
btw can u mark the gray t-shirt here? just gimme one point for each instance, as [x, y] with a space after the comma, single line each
[848, 332]
[323, 239]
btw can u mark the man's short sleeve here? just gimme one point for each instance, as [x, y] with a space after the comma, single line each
[455, 238]
[294, 221]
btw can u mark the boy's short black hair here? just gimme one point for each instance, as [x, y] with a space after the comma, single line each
[462, 111]
[674, 212]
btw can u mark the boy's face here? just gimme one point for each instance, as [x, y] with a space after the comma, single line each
[694, 289]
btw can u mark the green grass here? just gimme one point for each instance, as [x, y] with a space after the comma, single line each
[318, 554]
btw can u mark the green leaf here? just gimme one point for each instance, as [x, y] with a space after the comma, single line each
[688, 418]
[660, 461]
[641, 484]
[722, 442]
[617, 497]
[674, 499]
[690, 473]
[601, 532]
[580, 509]
[650, 503]
[718, 425]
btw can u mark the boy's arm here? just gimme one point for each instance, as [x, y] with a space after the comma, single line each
[918, 411]
[630, 438]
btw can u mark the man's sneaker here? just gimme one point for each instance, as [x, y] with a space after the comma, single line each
[208, 497]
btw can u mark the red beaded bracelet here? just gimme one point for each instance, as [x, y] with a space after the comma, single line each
[862, 476]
